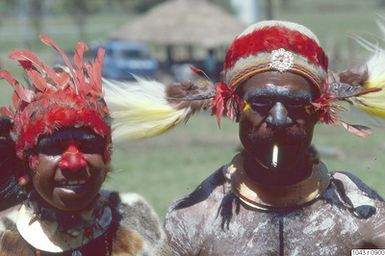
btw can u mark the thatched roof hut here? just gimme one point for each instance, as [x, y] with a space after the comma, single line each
[183, 22]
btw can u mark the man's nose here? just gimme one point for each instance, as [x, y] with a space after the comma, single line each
[72, 160]
[278, 116]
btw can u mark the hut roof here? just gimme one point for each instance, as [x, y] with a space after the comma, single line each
[183, 22]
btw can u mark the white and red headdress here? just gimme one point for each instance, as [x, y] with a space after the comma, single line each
[65, 97]
[265, 46]
[275, 45]
[284, 47]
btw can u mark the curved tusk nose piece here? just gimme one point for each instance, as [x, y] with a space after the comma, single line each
[278, 115]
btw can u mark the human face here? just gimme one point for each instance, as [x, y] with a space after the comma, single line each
[68, 168]
[276, 127]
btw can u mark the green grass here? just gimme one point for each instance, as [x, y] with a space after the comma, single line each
[167, 167]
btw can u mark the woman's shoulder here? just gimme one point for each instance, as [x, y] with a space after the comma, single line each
[137, 217]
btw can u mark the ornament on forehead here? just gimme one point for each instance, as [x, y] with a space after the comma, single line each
[281, 60]
[56, 98]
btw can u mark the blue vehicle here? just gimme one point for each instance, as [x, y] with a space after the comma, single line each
[123, 59]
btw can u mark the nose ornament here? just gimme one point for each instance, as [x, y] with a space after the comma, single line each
[278, 115]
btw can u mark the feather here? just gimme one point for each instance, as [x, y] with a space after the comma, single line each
[29, 60]
[374, 103]
[23, 94]
[372, 99]
[37, 80]
[191, 94]
[140, 109]
[95, 72]
[359, 130]
[199, 72]
[6, 111]
[81, 47]
[48, 41]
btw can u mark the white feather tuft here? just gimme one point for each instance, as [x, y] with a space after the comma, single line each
[140, 109]
[373, 103]
[376, 68]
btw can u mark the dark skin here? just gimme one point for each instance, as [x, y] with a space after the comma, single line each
[68, 168]
[280, 115]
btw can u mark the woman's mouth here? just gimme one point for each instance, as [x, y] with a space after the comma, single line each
[72, 185]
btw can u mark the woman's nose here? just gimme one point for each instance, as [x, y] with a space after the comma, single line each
[72, 160]
[278, 116]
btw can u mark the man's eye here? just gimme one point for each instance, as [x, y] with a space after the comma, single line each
[296, 103]
[261, 108]
[260, 102]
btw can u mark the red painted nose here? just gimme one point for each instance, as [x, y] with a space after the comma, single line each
[72, 160]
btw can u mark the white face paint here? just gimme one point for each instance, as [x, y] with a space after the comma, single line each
[274, 157]
[278, 89]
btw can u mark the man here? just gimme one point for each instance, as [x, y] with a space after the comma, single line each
[62, 132]
[275, 197]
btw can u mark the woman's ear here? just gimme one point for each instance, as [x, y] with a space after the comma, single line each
[33, 162]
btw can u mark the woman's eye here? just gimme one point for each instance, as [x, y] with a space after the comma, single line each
[94, 146]
[53, 149]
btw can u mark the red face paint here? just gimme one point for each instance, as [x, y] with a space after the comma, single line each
[72, 160]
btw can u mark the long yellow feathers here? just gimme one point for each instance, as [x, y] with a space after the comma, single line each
[140, 109]
[374, 103]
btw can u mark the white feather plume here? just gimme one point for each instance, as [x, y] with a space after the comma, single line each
[373, 103]
[140, 109]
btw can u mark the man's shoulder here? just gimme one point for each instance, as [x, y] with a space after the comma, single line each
[210, 190]
[353, 184]
[354, 194]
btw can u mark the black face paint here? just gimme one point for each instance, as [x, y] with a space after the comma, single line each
[263, 100]
[86, 141]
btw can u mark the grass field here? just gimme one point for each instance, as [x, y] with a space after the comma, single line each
[166, 167]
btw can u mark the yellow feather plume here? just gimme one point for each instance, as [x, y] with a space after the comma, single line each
[140, 109]
[373, 103]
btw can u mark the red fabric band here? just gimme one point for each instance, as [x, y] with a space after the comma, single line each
[272, 38]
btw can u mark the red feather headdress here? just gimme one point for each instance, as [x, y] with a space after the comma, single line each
[63, 97]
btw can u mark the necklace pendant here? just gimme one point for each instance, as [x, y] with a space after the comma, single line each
[77, 253]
